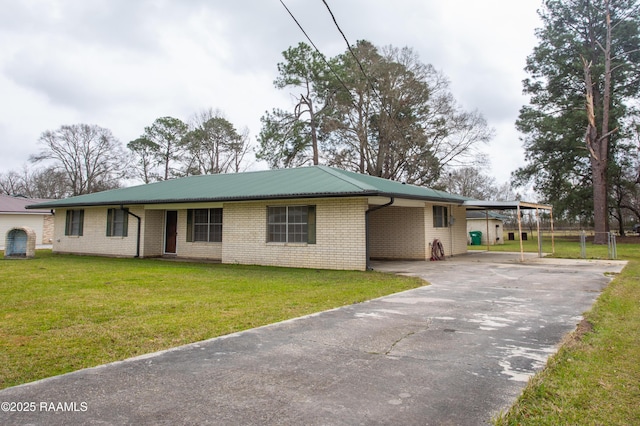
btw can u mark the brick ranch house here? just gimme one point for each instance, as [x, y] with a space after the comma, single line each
[312, 217]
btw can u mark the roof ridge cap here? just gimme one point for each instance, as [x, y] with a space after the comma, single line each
[336, 173]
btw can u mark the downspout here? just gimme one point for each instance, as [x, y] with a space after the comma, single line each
[366, 228]
[553, 243]
[138, 237]
[520, 231]
[449, 222]
[486, 215]
[539, 235]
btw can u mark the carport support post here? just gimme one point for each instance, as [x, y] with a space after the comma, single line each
[520, 234]
[553, 245]
[539, 236]
[486, 215]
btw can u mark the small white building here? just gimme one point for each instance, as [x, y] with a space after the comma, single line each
[488, 223]
[13, 214]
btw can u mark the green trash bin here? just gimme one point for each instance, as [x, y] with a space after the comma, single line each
[476, 238]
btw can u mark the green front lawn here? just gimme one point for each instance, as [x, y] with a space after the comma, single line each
[60, 313]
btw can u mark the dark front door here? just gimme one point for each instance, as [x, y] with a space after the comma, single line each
[171, 231]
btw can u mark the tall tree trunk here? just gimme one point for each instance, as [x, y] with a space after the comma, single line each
[598, 141]
[600, 201]
[314, 128]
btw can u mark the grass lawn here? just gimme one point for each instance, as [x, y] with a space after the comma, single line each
[60, 313]
[569, 247]
[594, 379]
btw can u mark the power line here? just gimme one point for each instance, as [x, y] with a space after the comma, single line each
[366, 76]
[351, 49]
[385, 107]
[324, 59]
[348, 91]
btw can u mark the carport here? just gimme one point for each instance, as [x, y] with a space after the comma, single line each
[518, 206]
[405, 229]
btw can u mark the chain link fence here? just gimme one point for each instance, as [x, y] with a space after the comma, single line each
[612, 251]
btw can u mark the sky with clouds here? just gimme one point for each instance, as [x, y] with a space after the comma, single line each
[121, 64]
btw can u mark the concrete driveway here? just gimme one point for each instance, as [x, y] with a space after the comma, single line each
[452, 353]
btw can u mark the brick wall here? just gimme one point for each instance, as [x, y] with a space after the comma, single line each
[48, 224]
[152, 242]
[397, 233]
[198, 249]
[94, 239]
[340, 235]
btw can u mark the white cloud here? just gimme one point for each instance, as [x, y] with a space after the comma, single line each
[121, 64]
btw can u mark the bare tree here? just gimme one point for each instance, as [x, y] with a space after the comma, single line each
[90, 156]
[12, 183]
[470, 182]
[47, 182]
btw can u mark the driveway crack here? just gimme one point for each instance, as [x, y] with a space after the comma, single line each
[406, 335]
[393, 345]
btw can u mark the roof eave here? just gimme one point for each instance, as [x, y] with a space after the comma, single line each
[62, 204]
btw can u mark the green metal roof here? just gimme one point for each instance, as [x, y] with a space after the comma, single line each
[303, 182]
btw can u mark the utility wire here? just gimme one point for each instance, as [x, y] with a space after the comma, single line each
[366, 76]
[351, 50]
[348, 91]
[324, 59]
[385, 107]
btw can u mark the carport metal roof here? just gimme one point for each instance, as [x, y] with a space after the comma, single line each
[504, 205]
[514, 205]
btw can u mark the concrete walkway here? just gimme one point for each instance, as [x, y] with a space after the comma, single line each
[452, 353]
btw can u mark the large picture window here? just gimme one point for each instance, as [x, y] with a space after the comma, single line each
[291, 224]
[204, 225]
[117, 222]
[440, 217]
[74, 222]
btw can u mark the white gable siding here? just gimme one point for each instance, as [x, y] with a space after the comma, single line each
[40, 223]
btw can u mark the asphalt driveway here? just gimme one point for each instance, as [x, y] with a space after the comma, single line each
[452, 353]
